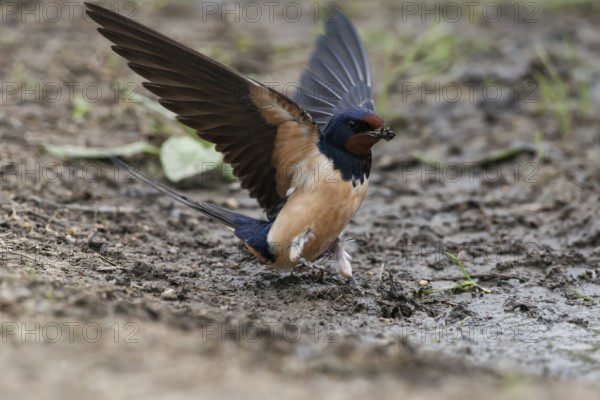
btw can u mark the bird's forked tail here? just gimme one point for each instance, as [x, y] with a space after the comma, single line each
[227, 217]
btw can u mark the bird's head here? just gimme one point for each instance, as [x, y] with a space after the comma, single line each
[356, 131]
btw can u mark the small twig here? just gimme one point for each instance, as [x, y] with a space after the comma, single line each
[381, 269]
[106, 260]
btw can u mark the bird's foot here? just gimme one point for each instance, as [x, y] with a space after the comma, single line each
[305, 264]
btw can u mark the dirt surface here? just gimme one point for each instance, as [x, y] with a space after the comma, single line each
[108, 289]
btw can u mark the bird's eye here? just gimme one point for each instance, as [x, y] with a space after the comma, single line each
[352, 124]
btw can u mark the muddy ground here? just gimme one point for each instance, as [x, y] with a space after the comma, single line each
[110, 290]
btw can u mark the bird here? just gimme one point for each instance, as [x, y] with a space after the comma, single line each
[305, 160]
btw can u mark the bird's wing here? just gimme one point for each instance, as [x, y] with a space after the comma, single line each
[260, 132]
[338, 76]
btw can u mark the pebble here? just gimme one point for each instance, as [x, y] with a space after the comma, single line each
[423, 282]
[232, 203]
[169, 294]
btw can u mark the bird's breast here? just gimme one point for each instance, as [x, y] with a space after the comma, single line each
[319, 206]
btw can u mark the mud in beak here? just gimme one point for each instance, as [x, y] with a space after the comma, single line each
[384, 133]
[361, 143]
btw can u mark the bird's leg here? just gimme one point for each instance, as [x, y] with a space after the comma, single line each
[335, 250]
[343, 266]
[297, 248]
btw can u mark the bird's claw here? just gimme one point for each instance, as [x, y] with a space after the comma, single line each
[304, 263]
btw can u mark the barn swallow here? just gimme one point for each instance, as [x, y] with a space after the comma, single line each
[306, 161]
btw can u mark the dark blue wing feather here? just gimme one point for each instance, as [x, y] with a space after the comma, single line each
[338, 76]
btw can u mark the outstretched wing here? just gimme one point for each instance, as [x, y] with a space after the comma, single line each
[338, 76]
[259, 131]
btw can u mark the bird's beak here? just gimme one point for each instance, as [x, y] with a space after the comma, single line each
[383, 133]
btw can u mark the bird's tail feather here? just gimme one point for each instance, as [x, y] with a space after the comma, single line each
[227, 217]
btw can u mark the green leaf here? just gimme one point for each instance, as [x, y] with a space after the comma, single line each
[127, 150]
[81, 108]
[184, 156]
